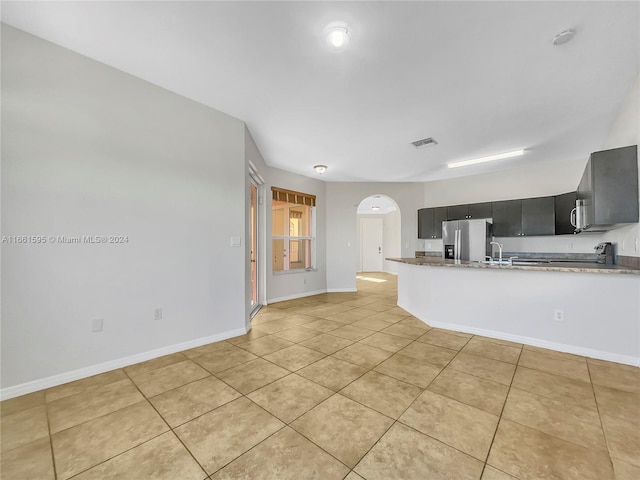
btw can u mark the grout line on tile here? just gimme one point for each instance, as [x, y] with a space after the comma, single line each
[551, 373]
[53, 458]
[403, 412]
[247, 451]
[311, 440]
[117, 455]
[504, 404]
[604, 433]
[172, 431]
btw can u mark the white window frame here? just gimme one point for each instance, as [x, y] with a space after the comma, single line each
[287, 238]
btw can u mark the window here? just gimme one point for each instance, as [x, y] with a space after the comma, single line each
[293, 232]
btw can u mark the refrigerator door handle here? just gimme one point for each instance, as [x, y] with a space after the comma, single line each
[456, 245]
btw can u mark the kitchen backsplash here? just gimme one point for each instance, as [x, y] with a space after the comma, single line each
[582, 243]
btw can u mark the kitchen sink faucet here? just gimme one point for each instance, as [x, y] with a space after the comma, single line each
[499, 245]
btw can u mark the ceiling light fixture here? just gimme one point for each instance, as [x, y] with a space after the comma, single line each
[336, 35]
[563, 37]
[320, 169]
[490, 158]
[375, 208]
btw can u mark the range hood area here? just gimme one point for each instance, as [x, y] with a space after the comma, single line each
[607, 196]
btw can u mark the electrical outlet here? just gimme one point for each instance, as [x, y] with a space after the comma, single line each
[157, 314]
[635, 245]
[97, 324]
[304, 281]
[558, 315]
[570, 245]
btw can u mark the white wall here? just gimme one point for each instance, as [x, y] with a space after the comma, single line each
[287, 285]
[626, 131]
[89, 150]
[342, 226]
[392, 225]
[538, 180]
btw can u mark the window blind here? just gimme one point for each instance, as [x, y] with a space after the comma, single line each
[290, 196]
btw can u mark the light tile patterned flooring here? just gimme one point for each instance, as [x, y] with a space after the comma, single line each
[331, 387]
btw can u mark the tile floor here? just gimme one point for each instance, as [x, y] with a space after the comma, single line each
[336, 386]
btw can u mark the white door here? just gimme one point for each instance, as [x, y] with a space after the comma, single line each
[371, 244]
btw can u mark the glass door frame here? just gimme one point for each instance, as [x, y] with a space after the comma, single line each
[255, 256]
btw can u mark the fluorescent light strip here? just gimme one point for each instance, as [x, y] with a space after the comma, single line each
[490, 158]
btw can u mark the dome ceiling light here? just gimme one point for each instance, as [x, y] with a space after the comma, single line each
[336, 36]
[563, 37]
[320, 169]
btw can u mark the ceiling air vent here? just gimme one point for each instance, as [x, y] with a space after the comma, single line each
[425, 142]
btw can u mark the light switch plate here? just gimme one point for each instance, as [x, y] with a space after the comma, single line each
[236, 241]
[97, 324]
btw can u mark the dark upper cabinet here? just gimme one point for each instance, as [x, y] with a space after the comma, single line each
[439, 216]
[473, 210]
[425, 222]
[563, 205]
[538, 216]
[480, 210]
[457, 212]
[507, 218]
[530, 216]
[609, 187]
[430, 222]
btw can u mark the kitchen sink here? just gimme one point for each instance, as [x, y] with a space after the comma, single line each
[495, 262]
[529, 262]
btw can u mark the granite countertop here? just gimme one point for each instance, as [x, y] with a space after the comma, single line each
[553, 267]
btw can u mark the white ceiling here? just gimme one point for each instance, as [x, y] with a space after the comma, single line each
[480, 77]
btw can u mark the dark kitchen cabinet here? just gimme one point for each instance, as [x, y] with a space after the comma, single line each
[507, 218]
[609, 188]
[473, 210]
[425, 222]
[563, 205]
[480, 210]
[430, 222]
[538, 216]
[457, 212]
[439, 216]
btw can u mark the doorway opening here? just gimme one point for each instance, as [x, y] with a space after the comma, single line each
[379, 234]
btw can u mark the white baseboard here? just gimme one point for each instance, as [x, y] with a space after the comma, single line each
[341, 290]
[59, 379]
[536, 342]
[296, 295]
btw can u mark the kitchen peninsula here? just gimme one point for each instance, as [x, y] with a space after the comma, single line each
[591, 310]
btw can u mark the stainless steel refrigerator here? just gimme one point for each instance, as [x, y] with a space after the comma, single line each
[466, 239]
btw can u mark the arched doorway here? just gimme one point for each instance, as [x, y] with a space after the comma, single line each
[379, 229]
